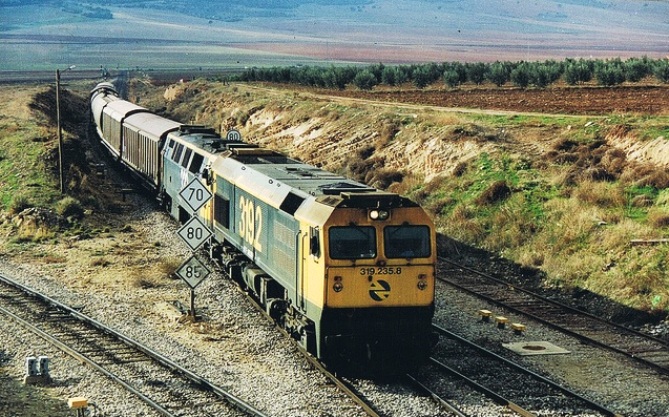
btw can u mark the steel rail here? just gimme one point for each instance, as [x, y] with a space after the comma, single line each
[84, 359]
[551, 383]
[343, 385]
[442, 402]
[664, 369]
[200, 381]
[483, 389]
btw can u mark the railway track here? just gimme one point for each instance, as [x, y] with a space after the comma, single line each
[463, 376]
[163, 385]
[343, 384]
[645, 349]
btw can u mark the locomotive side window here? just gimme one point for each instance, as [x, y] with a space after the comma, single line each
[291, 203]
[352, 242]
[196, 163]
[222, 211]
[314, 242]
[184, 163]
[406, 241]
[177, 153]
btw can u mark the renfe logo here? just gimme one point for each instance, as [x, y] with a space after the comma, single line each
[379, 290]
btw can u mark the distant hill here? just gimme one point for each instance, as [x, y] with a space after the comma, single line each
[265, 32]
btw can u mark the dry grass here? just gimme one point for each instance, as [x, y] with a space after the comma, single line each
[600, 194]
[556, 198]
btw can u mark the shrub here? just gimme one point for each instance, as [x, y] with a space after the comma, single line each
[70, 207]
[661, 70]
[383, 178]
[365, 80]
[599, 194]
[18, 204]
[497, 192]
[658, 219]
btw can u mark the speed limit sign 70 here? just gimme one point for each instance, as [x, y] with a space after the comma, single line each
[195, 195]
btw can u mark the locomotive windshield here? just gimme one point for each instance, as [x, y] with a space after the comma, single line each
[352, 242]
[406, 241]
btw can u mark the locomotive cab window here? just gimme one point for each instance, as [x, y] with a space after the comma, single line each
[352, 242]
[196, 163]
[406, 241]
[177, 153]
[184, 163]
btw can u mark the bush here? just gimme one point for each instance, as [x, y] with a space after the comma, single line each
[610, 73]
[499, 73]
[658, 220]
[365, 80]
[18, 204]
[521, 76]
[70, 207]
[661, 70]
[497, 192]
[578, 71]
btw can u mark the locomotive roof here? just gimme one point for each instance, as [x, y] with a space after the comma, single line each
[307, 178]
[255, 169]
[196, 136]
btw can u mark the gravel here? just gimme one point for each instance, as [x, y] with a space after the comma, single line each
[233, 346]
[237, 347]
[612, 380]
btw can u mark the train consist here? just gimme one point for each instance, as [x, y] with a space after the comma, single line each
[347, 269]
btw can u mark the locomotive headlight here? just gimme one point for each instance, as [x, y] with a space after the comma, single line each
[379, 214]
[422, 282]
[337, 286]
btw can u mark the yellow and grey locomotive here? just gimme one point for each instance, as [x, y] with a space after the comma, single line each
[347, 269]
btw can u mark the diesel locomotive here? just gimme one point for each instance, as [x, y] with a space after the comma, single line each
[347, 269]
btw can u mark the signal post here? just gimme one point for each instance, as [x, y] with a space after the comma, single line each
[194, 232]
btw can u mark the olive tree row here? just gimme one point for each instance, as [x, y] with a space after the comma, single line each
[521, 74]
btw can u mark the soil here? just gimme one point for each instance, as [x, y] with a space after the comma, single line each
[583, 100]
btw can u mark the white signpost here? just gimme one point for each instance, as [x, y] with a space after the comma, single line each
[195, 195]
[194, 232]
[193, 271]
[233, 135]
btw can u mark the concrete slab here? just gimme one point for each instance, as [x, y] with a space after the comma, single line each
[535, 348]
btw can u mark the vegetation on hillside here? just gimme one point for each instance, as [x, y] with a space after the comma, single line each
[549, 192]
[29, 170]
[521, 74]
[554, 193]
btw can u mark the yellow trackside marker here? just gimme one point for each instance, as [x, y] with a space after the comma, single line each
[77, 402]
[518, 328]
[501, 321]
[485, 315]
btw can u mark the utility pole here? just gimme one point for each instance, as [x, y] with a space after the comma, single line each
[60, 130]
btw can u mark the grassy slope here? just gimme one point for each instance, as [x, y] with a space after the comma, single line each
[25, 145]
[546, 192]
[550, 192]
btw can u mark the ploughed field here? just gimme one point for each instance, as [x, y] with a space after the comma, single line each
[584, 100]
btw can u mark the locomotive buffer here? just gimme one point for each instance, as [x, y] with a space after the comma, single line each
[194, 233]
